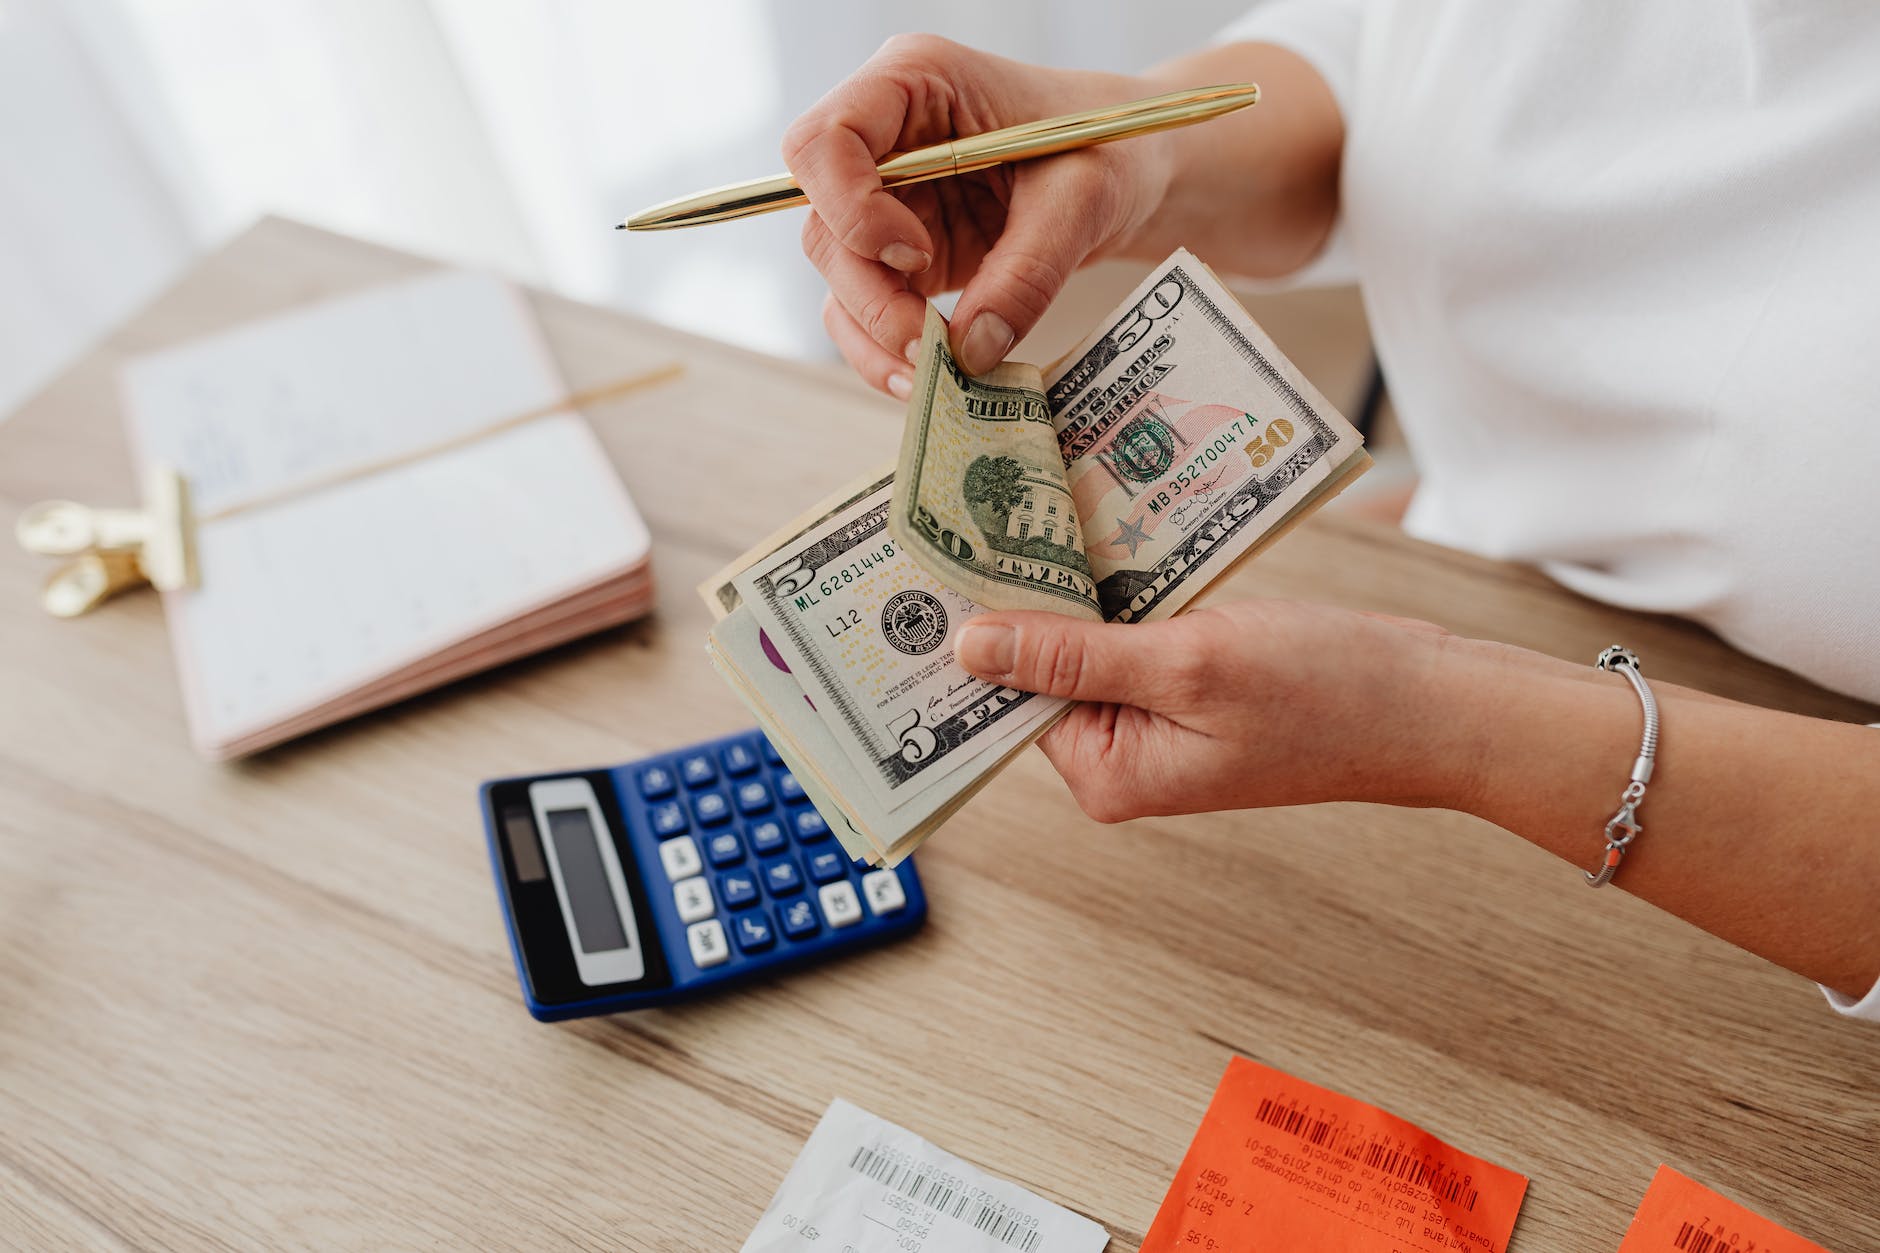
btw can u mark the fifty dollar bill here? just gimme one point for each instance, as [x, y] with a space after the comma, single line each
[1124, 480]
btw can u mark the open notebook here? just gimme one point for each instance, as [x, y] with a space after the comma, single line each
[379, 513]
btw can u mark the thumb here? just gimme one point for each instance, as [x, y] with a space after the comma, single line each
[1055, 655]
[1055, 221]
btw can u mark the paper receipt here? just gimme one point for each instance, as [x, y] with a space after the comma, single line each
[1680, 1215]
[863, 1185]
[1279, 1165]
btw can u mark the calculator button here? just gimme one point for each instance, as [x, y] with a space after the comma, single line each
[770, 754]
[781, 877]
[680, 858]
[711, 808]
[753, 797]
[737, 888]
[724, 849]
[827, 866]
[669, 818]
[655, 782]
[839, 905]
[697, 770]
[788, 787]
[693, 899]
[707, 942]
[753, 931]
[798, 919]
[810, 826]
[767, 837]
[738, 759]
[883, 890]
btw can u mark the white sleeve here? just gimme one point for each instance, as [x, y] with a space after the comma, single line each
[1867, 1007]
[1324, 34]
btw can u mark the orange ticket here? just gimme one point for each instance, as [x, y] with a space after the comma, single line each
[1680, 1215]
[1279, 1165]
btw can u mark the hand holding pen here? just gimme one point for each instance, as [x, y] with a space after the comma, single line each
[1009, 233]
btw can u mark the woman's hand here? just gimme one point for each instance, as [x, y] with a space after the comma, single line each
[1254, 192]
[1759, 826]
[1253, 703]
[1010, 235]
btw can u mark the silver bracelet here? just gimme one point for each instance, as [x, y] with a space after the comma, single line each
[1623, 827]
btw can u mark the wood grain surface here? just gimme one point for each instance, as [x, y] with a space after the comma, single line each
[271, 1004]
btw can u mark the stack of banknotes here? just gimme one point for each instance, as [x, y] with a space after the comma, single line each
[1118, 484]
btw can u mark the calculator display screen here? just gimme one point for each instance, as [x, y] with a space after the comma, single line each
[590, 899]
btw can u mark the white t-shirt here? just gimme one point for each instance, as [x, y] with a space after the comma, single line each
[1622, 267]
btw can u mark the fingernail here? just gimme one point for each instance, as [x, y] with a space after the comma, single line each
[987, 648]
[902, 385]
[905, 257]
[985, 344]
[912, 352]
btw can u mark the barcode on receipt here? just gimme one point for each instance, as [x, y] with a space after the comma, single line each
[1354, 1146]
[920, 1183]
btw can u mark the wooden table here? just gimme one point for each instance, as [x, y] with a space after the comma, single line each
[272, 1003]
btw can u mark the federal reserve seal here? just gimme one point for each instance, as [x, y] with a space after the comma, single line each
[914, 622]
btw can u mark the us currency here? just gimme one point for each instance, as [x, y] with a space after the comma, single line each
[720, 591]
[868, 830]
[868, 634]
[1189, 440]
[981, 498]
[1184, 442]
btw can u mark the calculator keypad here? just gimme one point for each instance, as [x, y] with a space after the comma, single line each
[707, 942]
[724, 849]
[737, 889]
[693, 899]
[679, 858]
[753, 797]
[739, 886]
[839, 905]
[767, 837]
[799, 919]
[781, 877]
[754, 933]
[827, 866]
[882, 889]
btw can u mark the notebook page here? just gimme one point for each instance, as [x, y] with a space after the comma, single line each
[326, 593]
[341, 590]
[338, 384]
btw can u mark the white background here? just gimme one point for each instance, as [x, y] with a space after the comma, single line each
[136, 134]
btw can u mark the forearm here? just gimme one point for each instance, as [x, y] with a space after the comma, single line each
[1760, 827]
[1255, 192]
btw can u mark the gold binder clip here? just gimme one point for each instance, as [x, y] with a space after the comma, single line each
[114, 549]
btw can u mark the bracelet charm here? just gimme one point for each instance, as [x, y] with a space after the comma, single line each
[1624, 827]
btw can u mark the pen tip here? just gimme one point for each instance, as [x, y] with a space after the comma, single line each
[620, 226]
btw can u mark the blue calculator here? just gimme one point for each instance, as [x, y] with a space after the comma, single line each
[659, 880]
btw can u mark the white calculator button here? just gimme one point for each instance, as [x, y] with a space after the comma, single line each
[694, 899]
[707, 942]
[839, 904]
[680, 858]
[883, 890]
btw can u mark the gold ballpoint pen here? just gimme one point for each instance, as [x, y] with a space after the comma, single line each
[963, 155]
